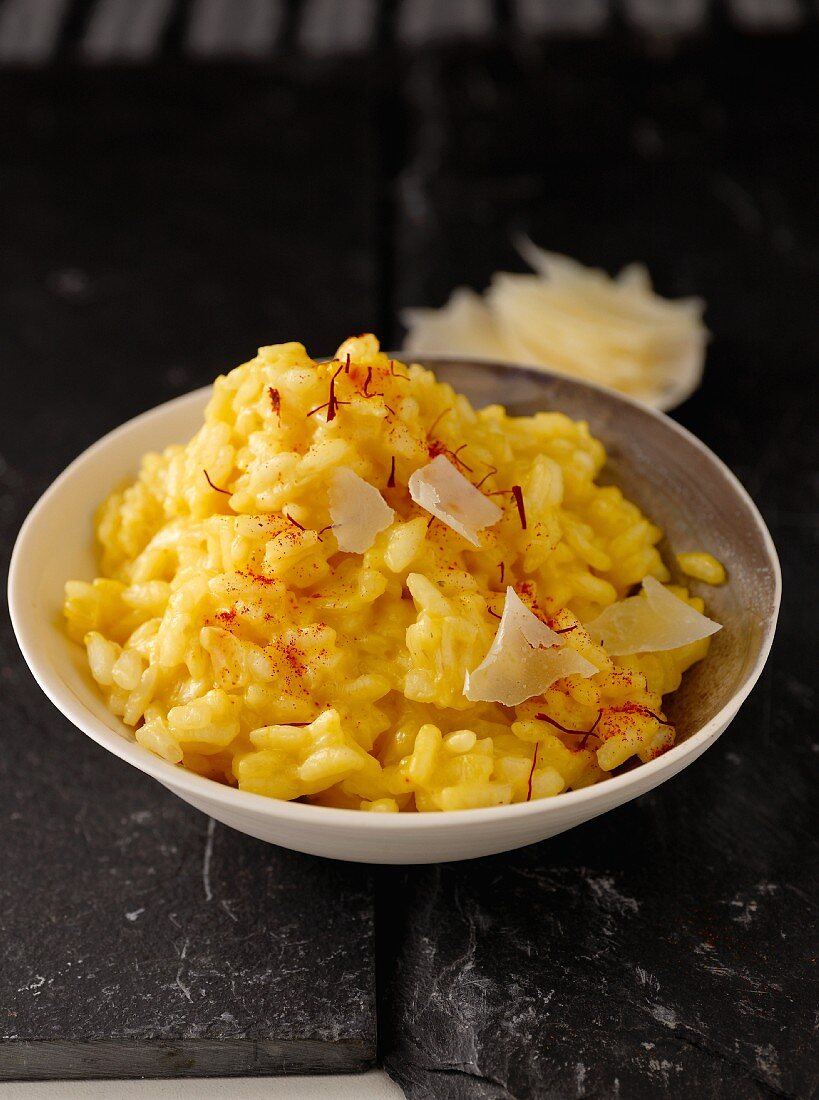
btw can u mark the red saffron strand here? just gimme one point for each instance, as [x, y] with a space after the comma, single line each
[227, 492]
[585, 734]
[532, 772]
[275, 401]
[627, 709]
[632, 708]
[493, 470]
[594, 726]
[517, 493]
[436, 447]
[566, 629]
[347, 364]
[395, 373]
[657, 718]
[366, 391]
[332, 404]
[502, 571]
[563, 729]
[391, 478]
[440, 416]
[456, 455]
[326, 405]
[290, 519]
[494, 614]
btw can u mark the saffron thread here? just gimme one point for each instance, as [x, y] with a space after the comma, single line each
[629, 708]
[440, 416]
[532, 772]
[391, 478]
[227, 492]
[326, 405]
[585, 734]
[656, 717]
[492, 470]
[332, 404]
[517, 493]
[456, 455]
[366, 392]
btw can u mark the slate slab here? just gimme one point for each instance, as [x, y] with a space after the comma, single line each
[142, 939]
[664, 953]
[159, 225]
[668, 949]
[156, 228]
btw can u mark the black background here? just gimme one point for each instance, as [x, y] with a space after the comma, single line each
[158, 223]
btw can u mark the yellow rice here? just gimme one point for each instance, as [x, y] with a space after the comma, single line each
[232, 635]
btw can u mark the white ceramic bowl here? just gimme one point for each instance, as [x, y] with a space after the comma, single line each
[681, 485]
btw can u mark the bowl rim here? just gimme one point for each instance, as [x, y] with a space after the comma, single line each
[209, 790]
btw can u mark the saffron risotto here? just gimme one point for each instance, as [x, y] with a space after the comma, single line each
[233, 635]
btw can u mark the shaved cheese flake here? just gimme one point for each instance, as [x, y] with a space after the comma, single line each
[574, 320]
[358, 511]
[464, 325]
[525, 659]
[651, 622]
[446, 494]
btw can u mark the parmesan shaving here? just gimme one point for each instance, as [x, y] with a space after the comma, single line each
[358, 511]
[574, 320]
[446, 494]
[651, 622]
[524, 660]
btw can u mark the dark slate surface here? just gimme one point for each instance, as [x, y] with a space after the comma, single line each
[157, 226]
[141, 938]
[668, 949]
[156, 229]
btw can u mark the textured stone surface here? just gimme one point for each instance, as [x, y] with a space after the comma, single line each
[140, 937]
[157, 226]
[669, 948]
[154, 234]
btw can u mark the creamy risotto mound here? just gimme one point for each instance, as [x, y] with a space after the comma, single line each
[353, 588]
